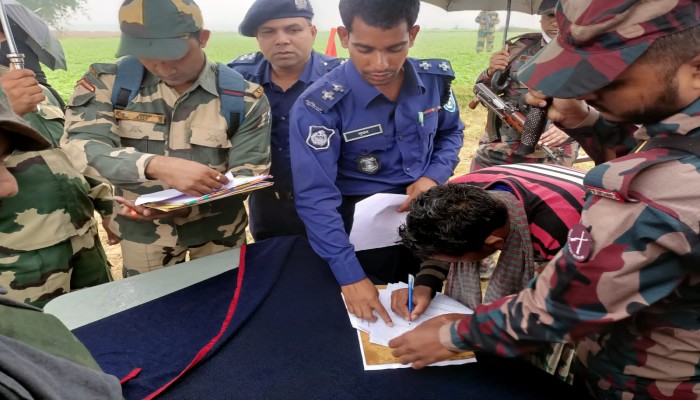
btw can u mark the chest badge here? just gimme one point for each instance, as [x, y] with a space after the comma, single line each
[579, 243]
[368, 164]
[319, 137]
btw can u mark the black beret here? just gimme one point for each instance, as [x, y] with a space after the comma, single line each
[264, 10]
[547, 7]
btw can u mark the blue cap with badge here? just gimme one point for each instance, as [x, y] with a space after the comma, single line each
[264, 10]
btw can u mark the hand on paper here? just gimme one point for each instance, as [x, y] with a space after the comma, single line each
[413, 190]
[187, 176]
[422, 295]
[361, 298]
[421, 346]
[130, 210]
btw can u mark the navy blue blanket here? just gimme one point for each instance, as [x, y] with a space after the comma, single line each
[297, 344]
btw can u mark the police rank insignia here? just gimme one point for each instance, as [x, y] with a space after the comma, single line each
[319, 137]
[579, 243]
[369, 164]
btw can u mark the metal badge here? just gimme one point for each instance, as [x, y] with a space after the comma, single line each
[579, 242]
[319, 137]
[368, 164]
[425, 65]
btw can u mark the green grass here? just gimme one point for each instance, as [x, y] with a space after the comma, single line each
[456, 46]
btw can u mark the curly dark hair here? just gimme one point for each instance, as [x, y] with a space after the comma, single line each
[384, 14]
[452, 220]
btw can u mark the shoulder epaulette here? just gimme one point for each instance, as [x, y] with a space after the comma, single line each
[103, 68]
[250, 58]
[612, 179]
[434, 66]
[527, 37]
[331, 63]
[325, 96]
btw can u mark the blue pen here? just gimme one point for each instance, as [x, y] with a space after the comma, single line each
[410, 297]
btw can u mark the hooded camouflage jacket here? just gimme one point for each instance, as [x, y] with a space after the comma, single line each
[116, 147]
[633, 299]
[54, 202]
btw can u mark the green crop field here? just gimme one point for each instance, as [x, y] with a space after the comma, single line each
[456, 46]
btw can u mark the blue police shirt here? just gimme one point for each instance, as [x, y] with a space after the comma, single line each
[255, 68]
[347, 138]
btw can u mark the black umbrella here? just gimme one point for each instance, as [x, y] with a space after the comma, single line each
[27, 27]
[525, 6]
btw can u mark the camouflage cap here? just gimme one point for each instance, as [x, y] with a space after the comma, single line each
[22, 136]
[157, 29]
[264, 10]
[547, 7]
[599, 39]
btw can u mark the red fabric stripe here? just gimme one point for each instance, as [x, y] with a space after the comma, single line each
[232, 92]
[231, 310]
[131, 375]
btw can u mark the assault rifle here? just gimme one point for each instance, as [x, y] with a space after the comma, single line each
[530, 127]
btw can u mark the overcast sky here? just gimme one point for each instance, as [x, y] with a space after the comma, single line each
[225, 15]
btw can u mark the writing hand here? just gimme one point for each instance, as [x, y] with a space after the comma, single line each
[187, 176]
[422, 295]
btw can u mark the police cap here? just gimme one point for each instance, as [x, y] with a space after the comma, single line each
[264, 10]
[547, 7]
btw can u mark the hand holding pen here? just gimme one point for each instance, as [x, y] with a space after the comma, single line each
[421, 297]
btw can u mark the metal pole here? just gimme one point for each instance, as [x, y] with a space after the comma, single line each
[16, 58]
[505, 30]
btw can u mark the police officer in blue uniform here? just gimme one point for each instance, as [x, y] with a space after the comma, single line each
[381, 122]
[285, 66]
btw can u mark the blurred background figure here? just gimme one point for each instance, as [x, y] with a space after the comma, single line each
[487, 21]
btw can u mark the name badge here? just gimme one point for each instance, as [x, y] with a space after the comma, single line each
[139, 116]
[363, 133]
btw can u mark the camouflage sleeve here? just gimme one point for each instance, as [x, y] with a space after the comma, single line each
[91, 138]
[640, 254]
[101, 195]
[603, 140]
[250, 150]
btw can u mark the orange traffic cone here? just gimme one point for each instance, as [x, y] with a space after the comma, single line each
[330, 47]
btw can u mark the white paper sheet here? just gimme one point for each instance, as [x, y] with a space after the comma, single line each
[377, 222]
[176, 196]
[380, 333]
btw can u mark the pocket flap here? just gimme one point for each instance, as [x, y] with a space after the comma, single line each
[210, 137]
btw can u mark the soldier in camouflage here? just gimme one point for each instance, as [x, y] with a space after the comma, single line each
[499, 142]
[49, 243]
[626, 284]
[39, 357]
[172, 135]
[487, 21]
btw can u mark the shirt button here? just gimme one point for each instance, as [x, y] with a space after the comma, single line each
[408, 169]
[401, 137]
[279, 149]
[283, 118]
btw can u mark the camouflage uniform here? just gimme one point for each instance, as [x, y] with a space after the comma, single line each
[498, 144]
[116, 147]
[487, 21]
[48, 234]
[626, 284]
